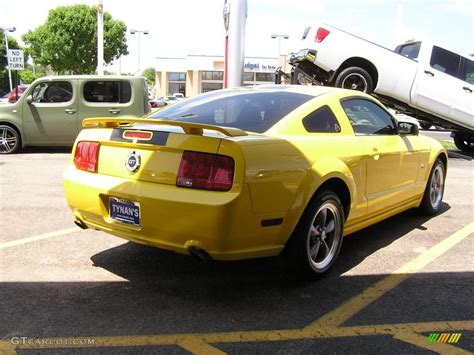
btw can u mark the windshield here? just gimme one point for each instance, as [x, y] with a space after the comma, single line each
[254, 111]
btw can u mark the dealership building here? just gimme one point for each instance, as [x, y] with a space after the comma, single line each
[196, 74]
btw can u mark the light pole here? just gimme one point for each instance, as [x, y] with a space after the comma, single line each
[100, 38]
[139, 32]
[274, 36]
[5, 34]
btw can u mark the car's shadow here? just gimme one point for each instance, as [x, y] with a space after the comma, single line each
[45, 150]
[143, 264]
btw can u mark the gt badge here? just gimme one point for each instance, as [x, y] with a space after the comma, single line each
[132, 162]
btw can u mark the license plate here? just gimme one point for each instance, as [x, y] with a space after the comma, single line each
[125, 211]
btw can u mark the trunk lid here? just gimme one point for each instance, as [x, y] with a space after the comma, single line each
[151, 150]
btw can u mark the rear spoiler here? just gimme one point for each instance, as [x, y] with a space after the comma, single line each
[188, 127]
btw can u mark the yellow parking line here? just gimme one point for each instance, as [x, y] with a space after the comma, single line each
[196, 341]
[374, 292]
[420, 341]
[7, 348]
[198, 346]
[35, 238]
[327, 326]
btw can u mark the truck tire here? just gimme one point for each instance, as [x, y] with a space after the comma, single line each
[464, 142]
[355, 78]
[425, 125]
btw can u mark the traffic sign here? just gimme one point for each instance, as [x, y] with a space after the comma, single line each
[15, 59]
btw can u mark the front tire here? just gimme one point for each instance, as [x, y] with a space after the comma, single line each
[10, 141]
[434, 191]
[316, 242]
[355, 78]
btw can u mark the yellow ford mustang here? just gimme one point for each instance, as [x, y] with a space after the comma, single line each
[250, 172]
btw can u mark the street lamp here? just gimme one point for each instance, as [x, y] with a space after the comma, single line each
[274, 36]
[5, 34]
[139, 32]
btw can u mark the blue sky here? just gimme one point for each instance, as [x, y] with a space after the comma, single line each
[181, 27]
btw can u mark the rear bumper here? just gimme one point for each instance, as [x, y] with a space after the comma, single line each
[221, 223]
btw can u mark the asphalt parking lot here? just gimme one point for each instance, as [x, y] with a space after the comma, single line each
[64, 290]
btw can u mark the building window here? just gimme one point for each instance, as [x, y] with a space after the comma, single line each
[176, 83]
[177, 77]
[206, 87]
[174, 88]
[212, 75]
[265, 77]
[249, 76]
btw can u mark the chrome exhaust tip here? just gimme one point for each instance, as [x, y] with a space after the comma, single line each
[199, 253]
[80, 224]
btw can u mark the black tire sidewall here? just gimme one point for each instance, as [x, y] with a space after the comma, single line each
[426, 207]
[297, 247]
[355, 70]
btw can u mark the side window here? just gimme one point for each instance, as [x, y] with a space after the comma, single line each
[107, 91]
[52, 92]
[366, 117]
[467, 71]
[445, 61]
[322, 120]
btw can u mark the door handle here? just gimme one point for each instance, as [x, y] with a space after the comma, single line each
[70, 110]
[429, 73]
[114, 111]
[465, 88]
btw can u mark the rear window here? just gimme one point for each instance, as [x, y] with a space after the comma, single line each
[410, 50]
[254, 111]
[108, 91]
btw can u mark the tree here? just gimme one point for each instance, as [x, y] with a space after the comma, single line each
[150, 75]
[12, 44]
[67, 41]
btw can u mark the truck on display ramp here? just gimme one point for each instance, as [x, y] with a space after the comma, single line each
[418, 78]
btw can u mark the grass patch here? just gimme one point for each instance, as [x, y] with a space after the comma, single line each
[448, 145]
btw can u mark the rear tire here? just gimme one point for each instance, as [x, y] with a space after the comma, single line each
[434, 191]
[355, 78]
[316, 242]
[464, 142]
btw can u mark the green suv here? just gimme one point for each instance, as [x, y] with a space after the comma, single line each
[51, 110]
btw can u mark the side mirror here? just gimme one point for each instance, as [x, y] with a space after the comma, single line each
[408, 128]
[29, 99]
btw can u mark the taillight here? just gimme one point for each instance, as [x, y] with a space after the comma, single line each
[86, 156]
[321, 34]
[205, 171]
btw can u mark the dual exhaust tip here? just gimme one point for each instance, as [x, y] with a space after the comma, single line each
[199, 253]
[194, 251]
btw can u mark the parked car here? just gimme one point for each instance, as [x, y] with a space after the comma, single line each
[178, 95]
[251, 172]
[51, 110]
[16, 93]
[420, 78]
[154, 103]
[169, 100]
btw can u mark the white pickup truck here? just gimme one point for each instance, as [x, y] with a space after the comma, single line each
[418, 78]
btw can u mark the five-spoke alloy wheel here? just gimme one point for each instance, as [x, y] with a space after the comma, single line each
[9, 140]
[317, 240]
[434, 191]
